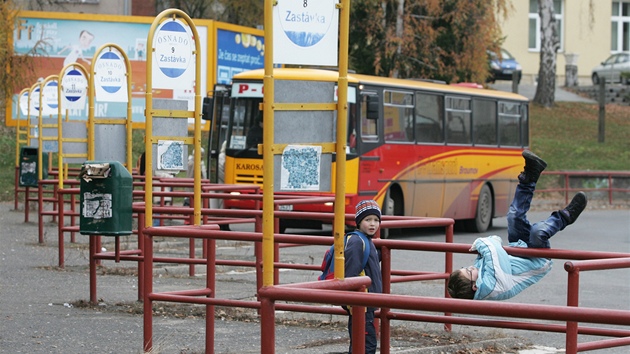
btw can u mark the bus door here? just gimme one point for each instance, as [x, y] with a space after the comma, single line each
[368, 138]
[430, 170]
[219, 114]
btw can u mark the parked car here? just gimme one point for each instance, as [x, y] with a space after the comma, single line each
[611, 69]
[503, 67]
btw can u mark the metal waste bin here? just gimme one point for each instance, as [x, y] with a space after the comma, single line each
[106, 199]
[29, 173]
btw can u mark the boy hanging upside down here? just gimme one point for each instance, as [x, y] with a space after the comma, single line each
[497, 275]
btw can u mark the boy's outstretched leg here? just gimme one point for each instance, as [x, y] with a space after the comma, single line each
[518, 225]
[571, 212]
[557, 221]
[534, 166]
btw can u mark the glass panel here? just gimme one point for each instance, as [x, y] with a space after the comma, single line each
[615, 8]
[613, 37]
[533, 6]
[559, 32]
[398, 123]
[485, 122]
[557, 7]
[429, 118]
[525, 126]
[533, 32]
[369, 127]
[509, 124]
[625, 9]
[458, 127]
[626, 36]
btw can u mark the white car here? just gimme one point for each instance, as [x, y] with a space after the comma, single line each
[611, 69]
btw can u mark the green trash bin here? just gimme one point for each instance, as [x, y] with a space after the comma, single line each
[106, 199]
[29, 173]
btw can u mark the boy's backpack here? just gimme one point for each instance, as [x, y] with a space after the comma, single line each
[328, 263]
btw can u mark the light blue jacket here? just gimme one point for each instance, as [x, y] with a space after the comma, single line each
[502, 276]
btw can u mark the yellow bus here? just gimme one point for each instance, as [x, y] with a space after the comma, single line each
[418, 148]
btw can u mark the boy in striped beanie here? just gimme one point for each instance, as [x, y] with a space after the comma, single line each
[368, 219]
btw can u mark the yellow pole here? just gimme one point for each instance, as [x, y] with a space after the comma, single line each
[268, 138]
[342, 129]
[17, 127]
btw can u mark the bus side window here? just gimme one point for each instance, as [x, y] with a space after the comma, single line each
[509, 127]
[429, 118]
[485, 122]
[458, 120]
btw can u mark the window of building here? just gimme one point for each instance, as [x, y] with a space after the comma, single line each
[534, 24]
[620, 27]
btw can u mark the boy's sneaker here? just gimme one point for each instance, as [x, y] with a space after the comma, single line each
[574, 209]
[534, 166]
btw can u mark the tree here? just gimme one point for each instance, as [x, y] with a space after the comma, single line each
[439, 39]
[247, 13]
[546, 88]
[17, 70]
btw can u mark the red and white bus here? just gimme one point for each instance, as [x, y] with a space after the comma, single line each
[418, 148]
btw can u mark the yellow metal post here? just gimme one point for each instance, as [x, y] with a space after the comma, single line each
[268, 140]
[342, 129]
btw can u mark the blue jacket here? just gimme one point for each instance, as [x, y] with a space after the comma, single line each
[502, 276]
[353, 254]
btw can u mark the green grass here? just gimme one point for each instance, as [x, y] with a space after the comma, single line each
[566, 136]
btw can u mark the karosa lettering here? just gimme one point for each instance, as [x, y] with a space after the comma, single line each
[248, 166]
[304, 17]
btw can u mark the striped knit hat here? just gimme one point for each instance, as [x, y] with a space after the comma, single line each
[365, 208]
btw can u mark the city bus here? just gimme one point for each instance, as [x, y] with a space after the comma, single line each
[417, 147]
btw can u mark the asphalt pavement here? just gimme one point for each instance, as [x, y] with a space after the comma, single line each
[43, 307]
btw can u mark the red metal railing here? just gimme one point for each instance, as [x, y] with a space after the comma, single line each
[610, 177]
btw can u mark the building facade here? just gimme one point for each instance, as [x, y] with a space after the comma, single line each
[589, 30]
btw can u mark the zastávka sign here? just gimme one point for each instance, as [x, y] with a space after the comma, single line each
[305, 32]
[173, 58]
[70, 37]
[74, 89]
[50, 98]
[23, 101]
[110, 79]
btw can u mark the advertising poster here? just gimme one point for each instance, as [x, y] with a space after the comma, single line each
[237, 52]
[225, 50]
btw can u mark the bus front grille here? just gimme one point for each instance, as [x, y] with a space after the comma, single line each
[249, 179]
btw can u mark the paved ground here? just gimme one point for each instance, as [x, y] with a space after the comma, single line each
[529, 91]
[43, 310]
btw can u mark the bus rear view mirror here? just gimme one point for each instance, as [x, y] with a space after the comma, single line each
[206, 108]
[372, 106]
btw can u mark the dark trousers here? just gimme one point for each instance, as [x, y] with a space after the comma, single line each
[370, 332]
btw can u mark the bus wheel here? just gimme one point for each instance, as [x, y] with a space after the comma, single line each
[483, 216]
[392, 205]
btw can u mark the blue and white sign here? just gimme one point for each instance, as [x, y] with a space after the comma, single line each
[50, 98]
[110, 79]
[23, 103]
[173, 58]
[73, 89]
[35, 101]
[305, 32]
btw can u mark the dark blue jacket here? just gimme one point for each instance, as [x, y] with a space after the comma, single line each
[353, 254]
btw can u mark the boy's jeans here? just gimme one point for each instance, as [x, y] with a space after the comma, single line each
[519, 228]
